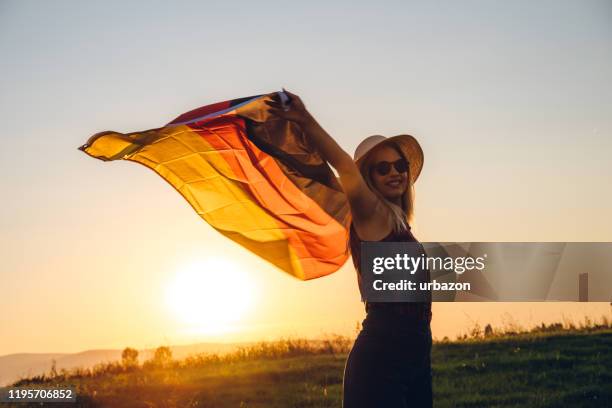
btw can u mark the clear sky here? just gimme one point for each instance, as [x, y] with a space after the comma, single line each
[511, 101]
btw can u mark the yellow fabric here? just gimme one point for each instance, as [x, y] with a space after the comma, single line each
[208, 184]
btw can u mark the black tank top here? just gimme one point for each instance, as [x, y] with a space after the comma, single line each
[416, 310]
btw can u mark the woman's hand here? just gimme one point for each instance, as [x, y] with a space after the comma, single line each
[294, 110]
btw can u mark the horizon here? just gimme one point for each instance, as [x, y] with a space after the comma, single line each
[508, 327]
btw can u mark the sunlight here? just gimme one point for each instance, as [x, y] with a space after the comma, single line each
[210, 295]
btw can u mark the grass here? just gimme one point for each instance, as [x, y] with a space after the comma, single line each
[547, 366]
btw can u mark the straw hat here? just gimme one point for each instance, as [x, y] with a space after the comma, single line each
[408, 144]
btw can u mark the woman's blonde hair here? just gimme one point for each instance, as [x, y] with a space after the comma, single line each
[400, 217]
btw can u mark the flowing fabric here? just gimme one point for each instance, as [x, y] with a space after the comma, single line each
[252, 176]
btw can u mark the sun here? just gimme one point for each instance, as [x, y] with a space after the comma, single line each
[209, 296]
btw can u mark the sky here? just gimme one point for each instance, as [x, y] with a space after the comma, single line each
[511, 101]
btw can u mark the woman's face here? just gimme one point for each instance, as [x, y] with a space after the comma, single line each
[393, 184]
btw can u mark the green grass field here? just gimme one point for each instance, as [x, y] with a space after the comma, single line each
[561, 369]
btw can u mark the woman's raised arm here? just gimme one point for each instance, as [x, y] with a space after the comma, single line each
[366, 208]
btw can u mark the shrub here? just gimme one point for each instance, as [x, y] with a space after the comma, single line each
[129, 358]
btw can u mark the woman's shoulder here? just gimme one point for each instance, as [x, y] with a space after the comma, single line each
[403, 235]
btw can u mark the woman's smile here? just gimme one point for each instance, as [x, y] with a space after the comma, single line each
[395, 183]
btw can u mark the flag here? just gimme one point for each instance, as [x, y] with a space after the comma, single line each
[252, 176]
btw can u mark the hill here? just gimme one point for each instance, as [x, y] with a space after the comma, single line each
[19, 365]
[539, 369]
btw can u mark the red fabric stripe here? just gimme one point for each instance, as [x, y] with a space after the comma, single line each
[204, 110]
[300, 225]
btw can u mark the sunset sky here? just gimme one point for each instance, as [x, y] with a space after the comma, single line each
[511, 101]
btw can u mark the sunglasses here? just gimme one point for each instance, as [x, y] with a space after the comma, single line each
[384, 167]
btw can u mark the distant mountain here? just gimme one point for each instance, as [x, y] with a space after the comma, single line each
[15, 366]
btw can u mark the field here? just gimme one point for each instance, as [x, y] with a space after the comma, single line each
[551, 367]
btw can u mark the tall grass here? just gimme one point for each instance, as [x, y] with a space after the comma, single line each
[510, 328]
[334, 345]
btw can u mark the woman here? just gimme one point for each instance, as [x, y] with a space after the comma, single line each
[389, 364]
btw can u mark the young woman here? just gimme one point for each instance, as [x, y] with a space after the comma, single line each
[389, 364]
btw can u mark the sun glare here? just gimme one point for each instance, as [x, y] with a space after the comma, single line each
[210, 296]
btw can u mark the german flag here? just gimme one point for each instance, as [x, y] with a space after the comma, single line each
[252, 176]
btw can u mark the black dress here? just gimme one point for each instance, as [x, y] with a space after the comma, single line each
[390, 362]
